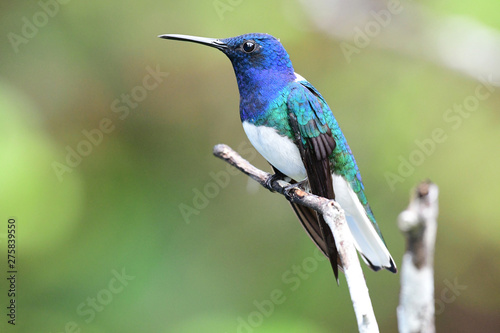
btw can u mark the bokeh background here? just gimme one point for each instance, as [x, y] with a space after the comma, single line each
[197, 247]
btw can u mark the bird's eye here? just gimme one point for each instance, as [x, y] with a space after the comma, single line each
[249, 46]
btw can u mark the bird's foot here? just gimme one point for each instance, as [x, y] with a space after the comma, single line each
[269, 181]
[303, 186]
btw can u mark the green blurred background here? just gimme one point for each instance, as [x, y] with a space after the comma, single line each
[237, 260]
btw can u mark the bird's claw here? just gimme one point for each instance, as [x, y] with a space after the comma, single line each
[300, 185]
[272, 179]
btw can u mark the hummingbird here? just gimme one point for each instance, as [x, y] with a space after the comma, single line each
[290, 124]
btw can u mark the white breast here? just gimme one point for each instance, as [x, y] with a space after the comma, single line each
[278, 150]
[284, 155]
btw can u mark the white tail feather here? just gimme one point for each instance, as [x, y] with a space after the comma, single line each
[366, 238]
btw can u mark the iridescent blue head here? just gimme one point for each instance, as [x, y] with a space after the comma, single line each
[260, 62]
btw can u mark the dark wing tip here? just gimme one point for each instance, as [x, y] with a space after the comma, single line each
[335, 266]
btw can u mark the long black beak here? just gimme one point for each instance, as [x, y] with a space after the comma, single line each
[218, 44]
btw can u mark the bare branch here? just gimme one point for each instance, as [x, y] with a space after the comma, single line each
[334, 217]
[418, 223]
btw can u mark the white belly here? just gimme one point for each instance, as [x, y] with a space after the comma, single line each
[278, 150]
[284, 155]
